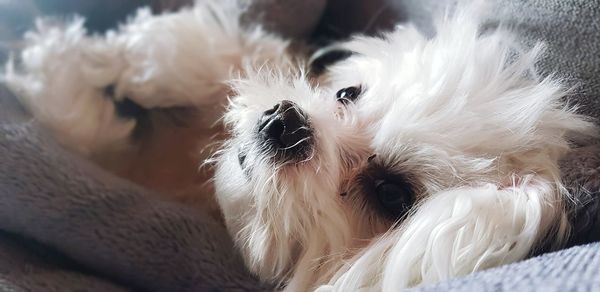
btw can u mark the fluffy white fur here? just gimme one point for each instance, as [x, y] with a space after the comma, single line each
[463, 116]
[173, 59]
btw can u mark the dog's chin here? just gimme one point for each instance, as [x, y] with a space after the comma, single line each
[280, 160]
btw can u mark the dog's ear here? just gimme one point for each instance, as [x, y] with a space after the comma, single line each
[325, 57]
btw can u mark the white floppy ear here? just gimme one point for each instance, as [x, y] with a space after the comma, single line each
[459, 231]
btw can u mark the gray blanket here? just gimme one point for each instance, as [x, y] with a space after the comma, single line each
[66, 225]
[64, 219]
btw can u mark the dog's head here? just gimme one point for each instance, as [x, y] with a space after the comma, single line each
[313, 172]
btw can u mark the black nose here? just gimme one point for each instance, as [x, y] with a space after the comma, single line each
[286, 130]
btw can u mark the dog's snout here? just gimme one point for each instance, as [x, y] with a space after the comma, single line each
[285, 129]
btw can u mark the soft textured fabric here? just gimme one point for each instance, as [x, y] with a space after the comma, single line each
[581, 172]
[571, 30]
[67, 225]
[27, 266]
[574, 269]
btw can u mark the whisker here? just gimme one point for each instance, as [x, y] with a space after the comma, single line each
[301, 128]
[297, 143]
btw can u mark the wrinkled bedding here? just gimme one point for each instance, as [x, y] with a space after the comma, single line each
[66, 225]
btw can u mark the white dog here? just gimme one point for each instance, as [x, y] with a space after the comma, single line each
[410, 161]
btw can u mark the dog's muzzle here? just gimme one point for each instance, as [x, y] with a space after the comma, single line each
[285, 132]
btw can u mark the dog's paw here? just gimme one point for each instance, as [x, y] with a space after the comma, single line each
[62, 77]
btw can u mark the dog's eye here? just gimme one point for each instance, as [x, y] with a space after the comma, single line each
[395, 198]
[348, 94]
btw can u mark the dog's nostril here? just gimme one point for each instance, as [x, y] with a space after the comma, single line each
[273, 128]
[267, 118]
[284, 127]
[271, 111]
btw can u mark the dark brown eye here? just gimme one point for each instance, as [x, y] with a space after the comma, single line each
[348, 94]
[395, 198]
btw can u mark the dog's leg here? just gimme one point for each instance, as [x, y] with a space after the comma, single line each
[61, 78]
[75, 84]
[185, 58]
[457, 232]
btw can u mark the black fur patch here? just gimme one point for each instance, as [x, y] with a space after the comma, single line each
[326, 57]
